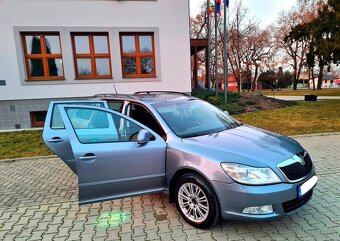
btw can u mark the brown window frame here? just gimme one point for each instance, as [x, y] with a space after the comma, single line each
[92, 55]
[43, 55]
[138, 55]
[34, 122]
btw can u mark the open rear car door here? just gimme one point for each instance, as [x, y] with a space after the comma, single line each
[115, 156]
[55, 135]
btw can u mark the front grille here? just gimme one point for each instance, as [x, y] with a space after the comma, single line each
[296, 170]
[296, 203]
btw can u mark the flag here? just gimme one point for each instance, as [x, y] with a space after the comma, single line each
[211, 7]
[211, 10]
[227, 3]
[218, 7]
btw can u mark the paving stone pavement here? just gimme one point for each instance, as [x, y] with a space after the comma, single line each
[38, 201]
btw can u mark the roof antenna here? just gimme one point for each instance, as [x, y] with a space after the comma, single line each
[115, 88]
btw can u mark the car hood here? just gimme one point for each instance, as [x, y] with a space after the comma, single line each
[248, 145]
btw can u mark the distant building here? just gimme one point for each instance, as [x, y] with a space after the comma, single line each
[328, 81]
[303, 81]
[232, 84]
[56, 49]
[337, 82]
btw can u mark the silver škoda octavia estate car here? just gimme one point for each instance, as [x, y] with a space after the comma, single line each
[211, 165]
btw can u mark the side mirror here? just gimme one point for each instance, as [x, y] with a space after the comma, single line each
[226, 112]
[143, 137]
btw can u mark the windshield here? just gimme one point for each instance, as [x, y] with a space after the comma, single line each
[194, 118]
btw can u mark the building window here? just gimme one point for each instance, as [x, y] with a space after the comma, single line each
[43, 56]
[38, 118]
[92, 55]
[137, 55]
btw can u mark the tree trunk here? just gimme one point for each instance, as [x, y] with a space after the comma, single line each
[295, 75]
[255, 76]
[312, 72]
[238, 81]
[295, 84]
[294, 80]
[320, 77]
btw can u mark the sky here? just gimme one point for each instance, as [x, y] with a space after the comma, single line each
[266, 11]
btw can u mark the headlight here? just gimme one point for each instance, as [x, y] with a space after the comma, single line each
[250, 175]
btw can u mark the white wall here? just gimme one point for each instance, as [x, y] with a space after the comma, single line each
[168, 18]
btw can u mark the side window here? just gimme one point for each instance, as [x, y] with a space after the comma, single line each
[115, 105]
[57, 121]
[96, 126]
[142, 115]
[88, 119]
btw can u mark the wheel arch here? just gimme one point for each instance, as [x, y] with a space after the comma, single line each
[178, 174]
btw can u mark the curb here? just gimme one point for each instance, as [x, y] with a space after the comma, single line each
[316, 134]
[20, 130]
[28, 158]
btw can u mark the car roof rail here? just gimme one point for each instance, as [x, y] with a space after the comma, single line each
[103, 95]
[148, 92]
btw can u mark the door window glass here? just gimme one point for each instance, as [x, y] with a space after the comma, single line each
[96, 126]
[57, 121]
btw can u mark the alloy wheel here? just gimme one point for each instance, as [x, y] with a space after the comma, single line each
[193, 202]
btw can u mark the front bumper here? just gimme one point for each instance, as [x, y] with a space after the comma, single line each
[235, 197]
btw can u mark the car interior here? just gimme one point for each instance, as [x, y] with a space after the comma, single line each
[142, 115]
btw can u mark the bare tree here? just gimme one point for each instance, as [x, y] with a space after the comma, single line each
[239, 28]
[248, 46]
[291, 51]
[321, 31]
[198, 24]
[259, 49]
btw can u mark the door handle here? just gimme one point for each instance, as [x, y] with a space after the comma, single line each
[88, 157]
[55, 140]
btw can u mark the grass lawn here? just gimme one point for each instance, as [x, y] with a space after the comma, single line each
[303, 118]
[290, 92]
[22, 144]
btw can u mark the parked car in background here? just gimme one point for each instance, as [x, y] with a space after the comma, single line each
[211, 165]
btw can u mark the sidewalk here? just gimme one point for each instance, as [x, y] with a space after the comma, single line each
[302, 97]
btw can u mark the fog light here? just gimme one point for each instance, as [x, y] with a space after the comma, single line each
[267, 209]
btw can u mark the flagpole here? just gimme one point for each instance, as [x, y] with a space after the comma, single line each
[225, 63]
[216, 45]
[208, 49]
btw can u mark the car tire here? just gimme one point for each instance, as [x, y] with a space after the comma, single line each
[196, 201]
